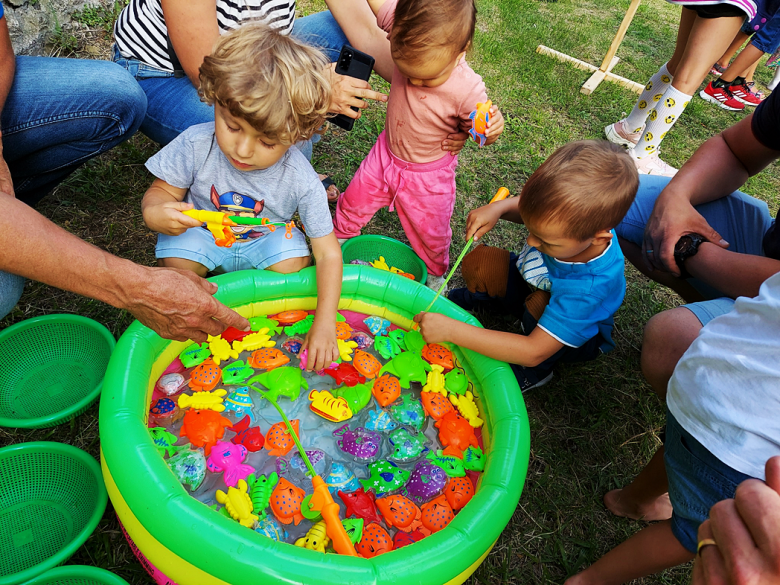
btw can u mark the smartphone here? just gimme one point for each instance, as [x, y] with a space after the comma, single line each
[355, 64]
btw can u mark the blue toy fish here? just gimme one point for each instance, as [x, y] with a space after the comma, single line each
[380, 420]
[377, 325]
[407, 446]
[341, 478]
[270, 527]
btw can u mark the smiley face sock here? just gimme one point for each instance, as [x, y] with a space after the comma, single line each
[661, 120]
[651, 95]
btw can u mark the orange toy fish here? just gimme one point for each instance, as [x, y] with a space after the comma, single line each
[366, 364]
[286, 502]
[289, 317]
[204, 428]
[278, 440]
[456, 434]
[206, 376]
[399, 512]
[387, 389]
[436, 514]
[458, 492]
[375, 541]
[267, 358]
[435, 405]
[343, 330]
[479, 121]
[433, 353]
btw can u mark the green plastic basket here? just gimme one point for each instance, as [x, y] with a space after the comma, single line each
[398, 254]
[52, 369]
[77, 575]
[52, 497]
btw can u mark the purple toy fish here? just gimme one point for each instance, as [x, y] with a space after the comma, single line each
[363, 340]
[293, 345]
[361, 443]
[228, 457]
[426, 482]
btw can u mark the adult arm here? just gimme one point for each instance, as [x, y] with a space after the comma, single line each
[736, 275]
[177, 304]
[358, 21]
[7, 69]
[192, 27]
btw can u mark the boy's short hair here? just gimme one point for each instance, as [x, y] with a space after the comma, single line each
[279, 85]
[420, 26]
[587, 186]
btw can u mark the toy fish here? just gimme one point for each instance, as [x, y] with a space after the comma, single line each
[399, 512]
[402, 539]
[270, 527]
[238, 504]
[236, 372]
[228, 458]
[387, 347]
[163, 408]
[400, 272]
[479, 121]
[204, 400]
[240, 403]
[220, 349]
[361, 444]
[399, 337]
[195, 354]
[232, 334]
[293, 345]
[359, 262]
[301, 327]
[435, 405]
[286, 502]
[380, 420]
[341, 479]
[289, 317]
[459, 492]
[280, 382]
[346, 374]
[357, 396]
[455, 434]
[409, 367]
[205, 377]
[426, 481]
[343, 330]
[433, 353]
[436, 515]
[330, 408]
[467, 408]
[278, 440]
[386, 389]
[204, 428]
[456, 382]
[375, 541]
[377, 325]
[316, 538]
[435, 382]
[452, 466]
[345, 349]
[164, 441]
[363, 340]
[261, 322]
[170, 384]
[253, 341]
[189, 467]
[366, 364]
[249, 437]
[474, 459]
[414, 341]
[267, 358]
[361, 504]
[260, 489]
[406, 446]
[384, 477]
[409, 412]
[353, 528]
[304, 362]
[297, 468]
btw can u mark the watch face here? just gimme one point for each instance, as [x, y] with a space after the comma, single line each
[683, 245]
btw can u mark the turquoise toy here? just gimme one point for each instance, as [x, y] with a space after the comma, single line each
[380, 420]
[377, 325]
[474, 459]
[195, 354]
[270, 527]
[286, 381]
[357, 396]
[399, 336]
[354, 528]
[301, 327]
[409, 412]
[452, 466]
[384, 477]
[341, 478]
[456, 382]
[406, 446]
[258, 323]
[240, 403]
[408, 367]
[387, 347]
[236, 372]
[414, 341]
[164, 441]
[189, 467]
[260, 488]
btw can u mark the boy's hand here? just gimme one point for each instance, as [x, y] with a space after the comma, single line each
[322, 346]
[167, 218]
[481, 220]
[435, 327]
[495, 125]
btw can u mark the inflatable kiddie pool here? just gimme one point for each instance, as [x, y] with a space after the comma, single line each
[194, 545]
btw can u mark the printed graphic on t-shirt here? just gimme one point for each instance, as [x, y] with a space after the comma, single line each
[531, 265]
[232, 203]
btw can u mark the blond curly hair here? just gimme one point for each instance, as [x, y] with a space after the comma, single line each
[279, 85]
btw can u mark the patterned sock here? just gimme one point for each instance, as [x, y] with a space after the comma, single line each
[661, 120]
[654, 89]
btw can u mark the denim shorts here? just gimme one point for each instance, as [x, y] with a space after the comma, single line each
[706, 311]
[197, 244]
[697, 481]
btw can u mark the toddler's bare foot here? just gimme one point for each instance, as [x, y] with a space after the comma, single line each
[660, 509]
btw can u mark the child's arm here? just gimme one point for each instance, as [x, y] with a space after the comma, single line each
[321, 340]
[481, 220]
[525, 350]
[162, 206]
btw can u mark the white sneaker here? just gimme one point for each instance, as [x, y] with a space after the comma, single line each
[435, 282]
[652, 165]
[619, 133]
[341, 241]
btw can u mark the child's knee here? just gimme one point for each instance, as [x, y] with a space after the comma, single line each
[290, 265]
[183, 264]
[486, 270]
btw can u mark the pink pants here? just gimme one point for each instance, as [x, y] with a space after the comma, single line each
[423, 194]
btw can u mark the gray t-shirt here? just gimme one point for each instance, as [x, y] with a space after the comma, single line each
[193, 161]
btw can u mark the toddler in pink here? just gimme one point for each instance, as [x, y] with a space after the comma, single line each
[432, 93]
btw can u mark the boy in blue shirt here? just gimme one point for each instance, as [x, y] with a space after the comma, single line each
[567, 282]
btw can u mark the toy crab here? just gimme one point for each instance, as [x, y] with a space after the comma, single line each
[345, 349]
[455, 434]
[316, 538]
[254, 341]
[301, 327]
[260, 488]
[467, 408]
[436, 381]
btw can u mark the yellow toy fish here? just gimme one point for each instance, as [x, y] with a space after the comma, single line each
[254, 341]
[436, 380]
[316, 538]
[380, 264]
[346, 348]
[330, 408]
[467, 408]
[220, 349]
[238, 504]
[204, 400]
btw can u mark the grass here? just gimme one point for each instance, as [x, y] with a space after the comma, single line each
[595, 425]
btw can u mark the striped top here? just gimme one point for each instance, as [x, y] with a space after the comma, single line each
[748, 6]
[140, 32]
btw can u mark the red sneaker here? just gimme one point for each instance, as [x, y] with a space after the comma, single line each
[743, 94]
[721, 97]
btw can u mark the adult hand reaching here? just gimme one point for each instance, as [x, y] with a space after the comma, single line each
[349, 91]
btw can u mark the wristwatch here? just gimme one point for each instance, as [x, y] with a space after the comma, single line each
[685, 248]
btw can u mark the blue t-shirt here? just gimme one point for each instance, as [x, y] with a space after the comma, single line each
[584, 295]
[2, 10]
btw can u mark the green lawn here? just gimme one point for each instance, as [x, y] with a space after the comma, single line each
[594, 425]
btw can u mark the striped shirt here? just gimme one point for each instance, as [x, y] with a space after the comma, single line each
[750, 7]
[141, 34]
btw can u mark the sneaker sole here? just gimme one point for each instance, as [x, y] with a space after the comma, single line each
[540, 383]
[707, 97]
[744, 101]
[616, 138]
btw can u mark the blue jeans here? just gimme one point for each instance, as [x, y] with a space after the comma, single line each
[174, 103]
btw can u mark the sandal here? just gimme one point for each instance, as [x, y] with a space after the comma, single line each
[331, 189]
[717, 70]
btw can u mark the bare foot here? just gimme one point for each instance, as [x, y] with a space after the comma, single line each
[659, 509]
[330, 188]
